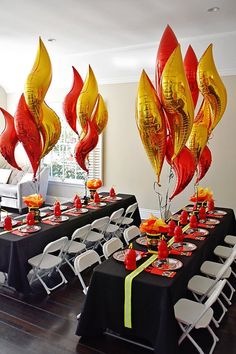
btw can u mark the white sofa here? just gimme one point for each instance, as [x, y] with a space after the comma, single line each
[19, 184]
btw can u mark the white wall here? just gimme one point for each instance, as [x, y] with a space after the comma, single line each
[3, 104]
[126, 165]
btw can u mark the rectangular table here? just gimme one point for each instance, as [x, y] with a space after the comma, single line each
[16, 250]
[153, 297]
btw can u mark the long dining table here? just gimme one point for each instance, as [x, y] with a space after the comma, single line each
[15, 250]
[153, 296]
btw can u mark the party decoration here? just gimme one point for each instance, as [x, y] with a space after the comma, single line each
[7, 223]
[210, 205]
[94, 183]
[153, 225]
[200, 131]
[130, 258]
[190, 66]
[96, 198]
[184, 166]
[211, 86]
[87, 99]
[112, 192]
[177, 100]
[69, 104]
[202, 213]
[151, 123]
[28, 133]
[178, 234]
[167, 45]
[202, 195]
[33, 200]
[50, 128]
[100, 116]
[193, 222]
[204, 163]
[86, 144]
[38, 82]
[183, 219]
[163, 251]
[9, 139]
[171, 227]
[30, 219]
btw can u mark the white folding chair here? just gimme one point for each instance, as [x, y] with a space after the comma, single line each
[73, 247]
[96, 236]
[44, 263]
[127, 219]
[84, 261]
[111, 246]
[130, 233]
[230, 240]
[114, 223]
[191, 314]
[224, 253]
[202, 287]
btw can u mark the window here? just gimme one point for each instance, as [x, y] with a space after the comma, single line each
[63, 166]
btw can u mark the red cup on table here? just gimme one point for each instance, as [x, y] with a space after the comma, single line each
[96, 198]
[112, 193]
[30, 219]
[183, 217]
[178, 234]
[202, 213]
[171, 228]
[130, 259]
[57, 210]
[77, 203]
[193, 222]
[7, 224]
[163, 251]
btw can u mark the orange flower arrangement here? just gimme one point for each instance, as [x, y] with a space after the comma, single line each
[33, 200]
[202, 195]
[153, 226]
[94, 183]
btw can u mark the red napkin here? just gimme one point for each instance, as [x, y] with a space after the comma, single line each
[163, 273]
[215, 215]
[206, 226]
[195, 236]
[19, 233]
[181, 253]
[92, 206]
[72, 213]
[50, 222]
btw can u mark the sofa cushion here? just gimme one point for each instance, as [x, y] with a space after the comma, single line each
[27, 177]
[8, 190]
[16, 176]
[4, 175]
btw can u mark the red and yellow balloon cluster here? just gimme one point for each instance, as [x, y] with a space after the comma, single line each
[84, 103]
[35, 124]
[165, 115]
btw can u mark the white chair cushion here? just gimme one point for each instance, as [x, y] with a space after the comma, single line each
[9, 190]
[49, 261]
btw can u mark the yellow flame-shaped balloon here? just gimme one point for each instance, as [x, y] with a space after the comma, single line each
[177, 100]
[50, 128]
[100, 116]
[87, 98]
[151, 123]
[37, 82]
[211, 86]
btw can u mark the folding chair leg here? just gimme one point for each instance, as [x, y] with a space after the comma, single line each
[224, 310]
[71, 266]
[85, 289]
[187, 335]
[62, 276]
[215, 339]
[226, 299]
[43, 284]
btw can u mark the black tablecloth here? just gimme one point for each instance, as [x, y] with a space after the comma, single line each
[153, 296]
[16, 250]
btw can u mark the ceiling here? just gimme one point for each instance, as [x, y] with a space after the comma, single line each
[117, 37]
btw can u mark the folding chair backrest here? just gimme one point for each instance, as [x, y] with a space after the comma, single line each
[81, 232]
[100, 224]
[215, 294]
[85, 260]
[225, 266]
[130, 233]
[57, 245]
[116, 215]
[111, 246]
[131, 209]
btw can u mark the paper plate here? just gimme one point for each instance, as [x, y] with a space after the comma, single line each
[59, 218]
[142, 240]
[80, 211]
[217, 212]
[120, 255]
[29, 229]
[184, 246]
[100, 204]
[210, 221]
[62, 207]
[197, 232]
[168, 264]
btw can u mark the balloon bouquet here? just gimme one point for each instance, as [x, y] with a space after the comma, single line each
[84, 104]
[35, 125]
[165, 114]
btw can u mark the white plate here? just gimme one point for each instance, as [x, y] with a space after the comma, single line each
[62, 207]
[168, 264]
[29, 229]
[100, 204]
[184, 246]
[197, 232]
[188, 208]
[80, 211]
[142, 240]
[59, 218]
[42, 214]
[210, 221]
[13, 222]
[217, 212]
[120, 255]
[113, 198]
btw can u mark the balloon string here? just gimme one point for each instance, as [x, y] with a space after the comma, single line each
[159, 196]
[167, 205]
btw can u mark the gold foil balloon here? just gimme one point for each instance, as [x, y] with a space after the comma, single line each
[177, 100]
[211, 86]
[201, 130]
[87, 99]
[50, 128]
[100, 115]
[151, 123]
[37, 82]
